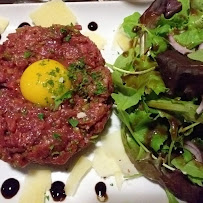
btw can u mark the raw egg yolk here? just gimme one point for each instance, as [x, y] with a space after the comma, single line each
[43, 81]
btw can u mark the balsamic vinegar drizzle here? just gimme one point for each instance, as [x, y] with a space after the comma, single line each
[57, 191]
[100, 189]
[23, 24]
[10, 188]
[92, 26]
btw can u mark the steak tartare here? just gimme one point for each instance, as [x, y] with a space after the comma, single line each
[30, 133]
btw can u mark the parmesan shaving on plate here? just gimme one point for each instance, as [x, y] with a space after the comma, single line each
[36, 184]
[3, 24]
[80, 169]
[122, 40]
[53, 12]
[111, 159]
[106, 166]
[97, 39]
[113, 147]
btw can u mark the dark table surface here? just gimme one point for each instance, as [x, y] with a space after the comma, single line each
[38, 1]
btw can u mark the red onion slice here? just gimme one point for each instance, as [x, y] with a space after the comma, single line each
[194, 150]
[178, 47]
[200, 46]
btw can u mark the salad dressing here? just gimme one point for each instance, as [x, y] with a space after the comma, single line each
[125, 54]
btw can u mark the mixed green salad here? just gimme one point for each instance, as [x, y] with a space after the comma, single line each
[162, 132]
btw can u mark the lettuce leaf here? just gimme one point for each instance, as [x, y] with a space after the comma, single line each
[192, 168]
[197, 55]
[129, 23]
[190, 38]
[197, 4]
[125, 60]
[150, 81]
[171, 197]
[185, 109]
[124, 102]
[179, 19]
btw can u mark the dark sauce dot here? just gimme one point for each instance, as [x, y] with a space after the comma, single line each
[100, 189]
[92, 26]
[23, 24]
[10, 188]
[57, 191]
[0, 37]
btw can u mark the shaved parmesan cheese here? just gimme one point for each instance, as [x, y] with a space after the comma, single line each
[122, 40]
[119, 179]
[104, 165]
[53, 12]
[117, 152]
[80, 169]
[110, 159]
[36, 184]
[81, 115]
[97, 39]
[3, 24]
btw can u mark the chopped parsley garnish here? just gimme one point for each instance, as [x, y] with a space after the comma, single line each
[73, 122]
[42, 63]
[51, 83]
[53, 72]
[41, 116]
[46, 197]
[67, 38]
[27, 54]
[57, 136]
[95, 76]
[76, 67]
[59, 100]
[99, 88]
[76, 71]
[38, 77]
[57, 70]
[63, 30]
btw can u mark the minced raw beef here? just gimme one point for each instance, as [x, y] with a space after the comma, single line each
[25, 136]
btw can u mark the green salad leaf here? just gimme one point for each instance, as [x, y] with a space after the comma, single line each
[156, 125]
[197, 55]
[179, 19]
[186, 109]
[191, 34]
[129, 24]
[190, 38]
[192, 168]
[124, 102]
[149, 82]
[171, 197]
[197, 4]
[125, 60]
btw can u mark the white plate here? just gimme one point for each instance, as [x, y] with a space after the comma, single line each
[108, 16]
